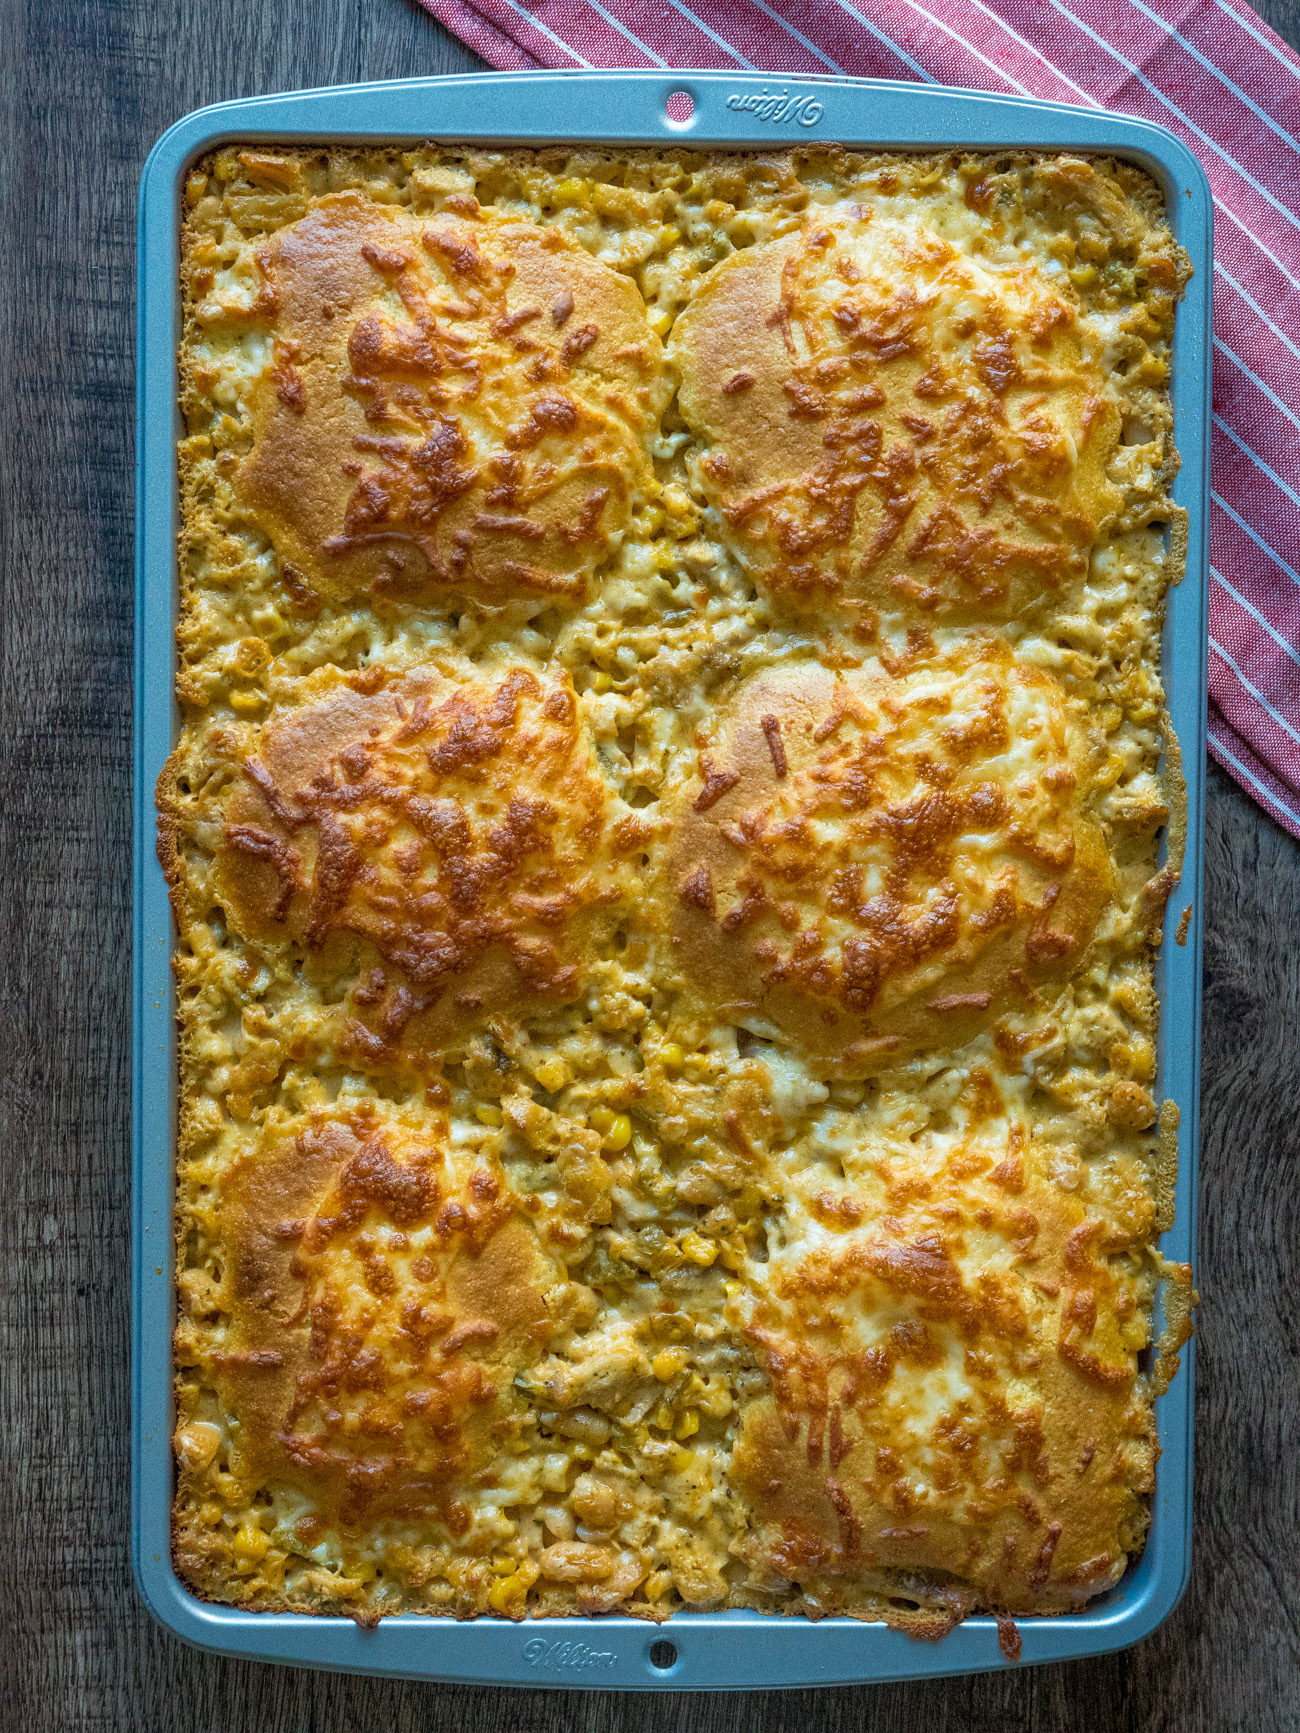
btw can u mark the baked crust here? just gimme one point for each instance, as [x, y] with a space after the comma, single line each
[1014, 1375]
[451, 404]
[666, 885]
[886, 859]
[445, 845]
[886, 419]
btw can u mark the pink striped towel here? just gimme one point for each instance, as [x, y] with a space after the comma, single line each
[1211, 72]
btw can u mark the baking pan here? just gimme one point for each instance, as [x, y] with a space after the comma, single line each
[691, 1651]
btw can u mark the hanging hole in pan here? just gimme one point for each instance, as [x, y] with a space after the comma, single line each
[679, 107]
[663, 1656]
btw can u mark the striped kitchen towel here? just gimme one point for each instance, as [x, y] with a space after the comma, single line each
[1213, 73]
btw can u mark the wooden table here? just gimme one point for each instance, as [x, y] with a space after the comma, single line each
[86, 88]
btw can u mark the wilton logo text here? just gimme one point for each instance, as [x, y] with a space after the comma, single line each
[777, 109]
[566, 1656]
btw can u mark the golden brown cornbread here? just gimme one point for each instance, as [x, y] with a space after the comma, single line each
[664, 842]
[448, 845]
[877, 862]
[435, 415]
[890, 1337]
[304, 1289]
[885, 419]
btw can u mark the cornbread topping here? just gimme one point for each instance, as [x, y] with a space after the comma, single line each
[664, 843]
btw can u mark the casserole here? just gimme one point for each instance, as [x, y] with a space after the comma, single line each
[241, 123]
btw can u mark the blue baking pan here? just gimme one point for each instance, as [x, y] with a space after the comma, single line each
[692, 1651]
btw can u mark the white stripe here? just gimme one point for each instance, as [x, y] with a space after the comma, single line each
[700, 25]
[1256, 695]
[968, 47]
[1263, 41]
[1258, 461]
[1251, 236]
[791, 31]
[1237, 596]
[1254, 781]
[624, 31]
[1258, 311]
[1258, 382]
[1090, 101]
[538, 25]
[1173, 108]
[1167, 29]
[880, 36]
[1258, 539]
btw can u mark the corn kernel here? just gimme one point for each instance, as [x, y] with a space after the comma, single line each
[246, 703]
[619, 1134]
[657, 1585]
[688, 1423]
[507, 1594]
[669, 237]
[552, 1074]
[731, 1259]
[660, 322]
[601, 681]
[699, 1250]
[662, 1418]
[672, 1056]
[251, 657]
[679, 506]
[610, 201]
[682, 1459]
[195, 187]
[504, 1567]
[211, 1513]
[601, 1119]
[733, 1290]
[572, 192]
[668, 1363]
[488, 1115]
[250, 1543]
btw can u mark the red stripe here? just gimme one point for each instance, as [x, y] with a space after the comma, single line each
[1223, 41]
[1249, 22]
[1264, 584]
[1201, 96]
[532, 40]
[576, 21]
[1255, 498]
[922, 43]
[1023, 59]
[1260, 660]
[982, 63]
[1251, 341]
[839, 36]
[1248, 718]
[762, 42]
[495, 46]
[1268, 433]
[1274, 795]
[674, 38]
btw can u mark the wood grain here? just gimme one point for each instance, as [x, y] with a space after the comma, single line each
[85, 89]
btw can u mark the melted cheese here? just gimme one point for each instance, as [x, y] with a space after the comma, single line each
[886, 858]
[887, 420]
[666, 880]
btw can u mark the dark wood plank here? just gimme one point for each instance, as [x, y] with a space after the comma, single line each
[85, 89]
